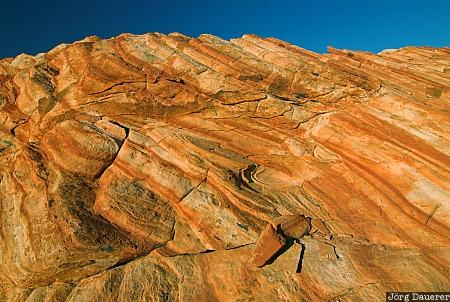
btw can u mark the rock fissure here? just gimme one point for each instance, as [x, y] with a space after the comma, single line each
[119, 145]
[114, 86]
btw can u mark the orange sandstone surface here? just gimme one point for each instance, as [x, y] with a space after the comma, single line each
[169, 168]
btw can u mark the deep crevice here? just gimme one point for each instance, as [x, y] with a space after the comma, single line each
[126, 129]
[119, 145]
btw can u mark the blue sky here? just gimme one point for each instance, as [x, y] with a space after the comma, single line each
[38, 26]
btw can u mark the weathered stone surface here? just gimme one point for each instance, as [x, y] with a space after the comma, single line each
[146, 168]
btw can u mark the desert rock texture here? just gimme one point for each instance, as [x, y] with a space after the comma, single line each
[169, 168]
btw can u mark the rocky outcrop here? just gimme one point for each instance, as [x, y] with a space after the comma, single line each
[167, 168]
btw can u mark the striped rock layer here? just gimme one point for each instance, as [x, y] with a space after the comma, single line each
[144, 168]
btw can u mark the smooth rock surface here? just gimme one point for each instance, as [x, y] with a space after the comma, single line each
[144, 168]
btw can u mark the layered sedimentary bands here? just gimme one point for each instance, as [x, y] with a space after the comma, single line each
[167, 168]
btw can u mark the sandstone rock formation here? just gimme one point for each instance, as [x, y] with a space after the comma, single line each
[145, 168]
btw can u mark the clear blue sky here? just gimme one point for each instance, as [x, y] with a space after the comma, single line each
[38, 26]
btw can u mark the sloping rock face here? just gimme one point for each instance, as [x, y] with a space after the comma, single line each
[167, 168]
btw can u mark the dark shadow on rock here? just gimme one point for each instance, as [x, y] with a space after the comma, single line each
[280, 252]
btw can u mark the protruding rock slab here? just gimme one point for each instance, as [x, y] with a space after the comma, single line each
[269, 243]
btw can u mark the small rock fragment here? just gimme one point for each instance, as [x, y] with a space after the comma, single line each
[320, 226]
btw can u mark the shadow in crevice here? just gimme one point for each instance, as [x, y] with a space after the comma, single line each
[300, 259]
